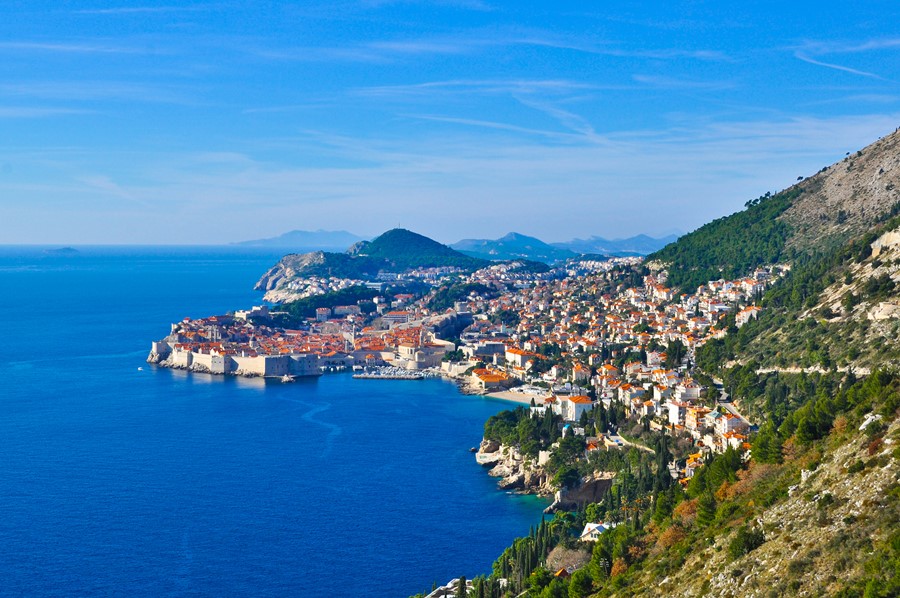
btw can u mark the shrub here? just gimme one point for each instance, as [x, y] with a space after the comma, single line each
[673, 535]
[856, 467]
[874, 446]
[746, 540]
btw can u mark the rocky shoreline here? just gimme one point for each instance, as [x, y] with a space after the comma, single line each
[523, 475]
[516, 471]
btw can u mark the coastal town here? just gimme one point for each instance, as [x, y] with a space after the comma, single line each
[567, 339]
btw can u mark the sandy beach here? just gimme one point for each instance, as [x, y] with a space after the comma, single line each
[522, 396]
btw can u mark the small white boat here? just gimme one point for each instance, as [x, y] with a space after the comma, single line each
[286, 378]
[140, 369]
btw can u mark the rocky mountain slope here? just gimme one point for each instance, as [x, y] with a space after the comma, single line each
[834, 532]
[847, 198]
[818, 214]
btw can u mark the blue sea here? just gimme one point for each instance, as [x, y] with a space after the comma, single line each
[118, 478]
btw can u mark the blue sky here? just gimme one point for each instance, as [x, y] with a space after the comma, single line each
[195, 122]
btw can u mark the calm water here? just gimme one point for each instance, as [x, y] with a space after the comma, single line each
[115, 481]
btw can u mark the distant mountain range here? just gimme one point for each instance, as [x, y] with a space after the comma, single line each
[303, 239]
[518, 246]
[513, 246]
[637, 245]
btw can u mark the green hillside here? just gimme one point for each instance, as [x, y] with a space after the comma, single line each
[731, 246]
[403, 249]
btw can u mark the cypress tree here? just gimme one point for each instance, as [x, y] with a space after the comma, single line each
[478, 589]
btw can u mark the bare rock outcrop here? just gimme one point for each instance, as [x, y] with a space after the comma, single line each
[515, 470]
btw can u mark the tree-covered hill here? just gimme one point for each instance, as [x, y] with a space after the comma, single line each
[731, 246]
[402, 249]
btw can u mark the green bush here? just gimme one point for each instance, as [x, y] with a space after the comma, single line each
[856, 467]
[746, 540]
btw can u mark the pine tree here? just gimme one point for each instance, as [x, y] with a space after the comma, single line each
[580, 584]
[767, 445]
[663, 508]
[600, 562]
[706, 509]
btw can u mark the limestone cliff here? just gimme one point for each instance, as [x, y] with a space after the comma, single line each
[515, 470]
[522, 473]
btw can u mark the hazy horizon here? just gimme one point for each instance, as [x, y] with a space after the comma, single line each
[244, 242]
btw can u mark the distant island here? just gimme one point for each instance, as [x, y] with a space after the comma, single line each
[62, 251]
[518, 246]
[637, 245]
[303, 239]
[513, 246]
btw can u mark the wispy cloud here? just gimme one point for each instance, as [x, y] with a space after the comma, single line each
[38, 112]
[567, 119]
[812, 52]
[129, 10]
[86, 91]
[470, 42]
[849, 47]
[659, 173]
[611, 49]
[487, 124]
[666, 82]
[486, 86]
[870, 98]
[837, 67]
[321, 54]
[72, 48]
[106, 185]
[421, 47]
[476, 5]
